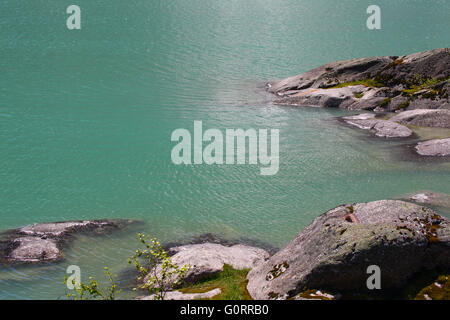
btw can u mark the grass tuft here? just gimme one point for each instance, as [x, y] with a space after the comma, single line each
[233, 284]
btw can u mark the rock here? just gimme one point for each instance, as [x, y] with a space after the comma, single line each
[421, 103]
[382, 128]
[43, 242]
[425, 118]
[436, 147]
[419, 80]
[362, 116]
[331, 74]
[334, 252]
[431, 198]
[209, 258]
[34, 249]
[352, 98]
[398, 102]
[430, 64]
[177, 295]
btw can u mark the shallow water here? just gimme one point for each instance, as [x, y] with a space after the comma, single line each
[86, 118]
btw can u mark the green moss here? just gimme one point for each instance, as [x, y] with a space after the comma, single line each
[366, 82]
[359, 95]
[385, 102]
[419, 83]
[233, 284]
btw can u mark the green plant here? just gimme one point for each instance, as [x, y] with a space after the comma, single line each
[160, 274]
[92, 291]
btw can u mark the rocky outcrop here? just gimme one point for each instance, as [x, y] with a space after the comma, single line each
[436, 148]
[419, 80]
[43, 242]
[352, 97]
[335, 251]
[208, 259]
[380, 128]
[424, 118]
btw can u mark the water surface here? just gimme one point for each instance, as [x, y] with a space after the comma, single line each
[86, 118]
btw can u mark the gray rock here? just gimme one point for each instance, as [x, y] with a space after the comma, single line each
[431, 198]
[362, 116]
[177, 295]
[421, 103]
[436, 147]
[34, 249]
[425, 118]
[382, 128]
[331, 74]
[207, 259]
[431, 64]
[398, 102]
[330, 98]
[315, 87]
[334, 252]
[43, 242]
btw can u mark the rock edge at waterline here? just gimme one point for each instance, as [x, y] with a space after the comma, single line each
[43, 242]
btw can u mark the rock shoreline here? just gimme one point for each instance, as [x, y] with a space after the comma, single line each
[332, 254]
[327, 259]
[416, 81]
[413, 90]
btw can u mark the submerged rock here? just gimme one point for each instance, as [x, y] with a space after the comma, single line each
[335, 251]
[33, 249]
[436, 147]
[43, 242]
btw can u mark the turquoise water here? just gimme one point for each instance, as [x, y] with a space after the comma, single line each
[86, 118]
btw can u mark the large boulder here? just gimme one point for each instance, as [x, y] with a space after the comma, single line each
[335, 251]
[207, 259]
[43, 242]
